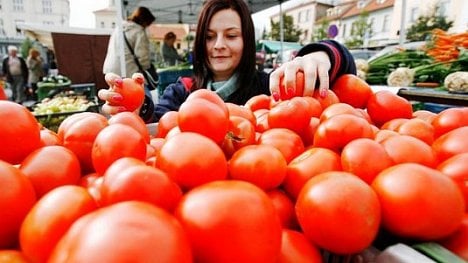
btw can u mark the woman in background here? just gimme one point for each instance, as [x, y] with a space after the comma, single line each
[36, 72]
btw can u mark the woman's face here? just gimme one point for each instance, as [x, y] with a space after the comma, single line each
[224, 44]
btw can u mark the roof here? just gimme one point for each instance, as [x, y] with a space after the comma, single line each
[343, 9]
[158, 31]
[372, 5]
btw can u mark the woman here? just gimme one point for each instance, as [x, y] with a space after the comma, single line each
[224, 61]
[36, 72]
[168, 51]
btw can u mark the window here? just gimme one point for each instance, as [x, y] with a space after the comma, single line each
[372, 22]
[414, 14]
[2, 30]
[307, 16]
[18, 6]
[361, 4]
[299, 17]
[386, 23]
[47, 6]
[344, 30]
[113, 24]
[102, 24]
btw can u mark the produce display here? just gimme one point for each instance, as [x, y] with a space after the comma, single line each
[355, 176]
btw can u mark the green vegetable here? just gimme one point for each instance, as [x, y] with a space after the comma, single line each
[438, 253]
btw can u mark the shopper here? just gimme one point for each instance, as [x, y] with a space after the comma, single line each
[36, 72]
[224, 61]
[169, 53]
[16, 72]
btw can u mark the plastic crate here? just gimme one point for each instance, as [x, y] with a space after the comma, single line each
[169, 76]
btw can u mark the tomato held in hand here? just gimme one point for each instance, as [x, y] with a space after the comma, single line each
[132, 91]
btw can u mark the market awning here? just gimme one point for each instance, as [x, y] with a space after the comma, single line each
[270, 46]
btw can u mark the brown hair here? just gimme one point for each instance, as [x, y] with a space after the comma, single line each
[202, 73]
[34, 53]
[169, 35]
[142, 16]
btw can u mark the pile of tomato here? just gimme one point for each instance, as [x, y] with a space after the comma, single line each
[269, 181]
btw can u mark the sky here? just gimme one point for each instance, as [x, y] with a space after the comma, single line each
[81, 12]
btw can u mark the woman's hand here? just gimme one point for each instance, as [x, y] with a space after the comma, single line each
[314, 65]
[113, 99]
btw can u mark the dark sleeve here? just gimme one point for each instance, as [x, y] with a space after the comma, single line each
[342, 62]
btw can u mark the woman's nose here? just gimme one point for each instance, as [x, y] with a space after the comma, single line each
[220, 43]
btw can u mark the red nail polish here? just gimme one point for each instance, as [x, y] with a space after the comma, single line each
[276, 96]
[290, 92]
[323, 93]
[117, 98]
[122, 109]
[119, 82]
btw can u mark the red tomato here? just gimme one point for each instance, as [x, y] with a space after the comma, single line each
[16, 199]
[424, 115]
[365, 158]
[393, 124]
[51, 217]
[408, 149]
[289, 91]
[381, 135]
[341, 129]
[241, 133]
[451, 143]
[78, 132]
[132, 91]
[132, 120]
[284, 207]
[383, 106]
[166, 123]
[261, 117]
[288, 142]
[352, 90]
[315, 108]
[204, 117]
[114, 142]
[230, 221]
[449, 119]
[3, 95]
[211, 96]
[458, 241]
[310, 163]
[241, 111]
[49, 138]
[139, 182]
[456, 167]
[191, 159]
[412, 196]
[338, 108]
[134, 232]
[308, 133]
[261, 165]
[296, 248]
[419, 129]
[13, 256]
[293, 114]
[350, 217]
[21, 135]
[328, 100]
[257, 102]
[38, 168]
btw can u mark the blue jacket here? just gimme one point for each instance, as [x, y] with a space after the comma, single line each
[175, 94]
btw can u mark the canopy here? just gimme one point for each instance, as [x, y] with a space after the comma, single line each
[270, 46]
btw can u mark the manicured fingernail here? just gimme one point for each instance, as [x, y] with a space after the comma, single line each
[323, 93]
[122, 109]
[118, 82]
[117, 98]
[276, 96]
[290, 92]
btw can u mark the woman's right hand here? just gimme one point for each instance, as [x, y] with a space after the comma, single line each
[113, 99]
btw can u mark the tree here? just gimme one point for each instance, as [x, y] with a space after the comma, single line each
[321, 32]
[421, 29]
[290, 32]
[359, 29]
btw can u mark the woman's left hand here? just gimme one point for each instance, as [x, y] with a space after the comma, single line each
[314, 65]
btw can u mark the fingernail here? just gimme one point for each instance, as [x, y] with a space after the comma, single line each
[323, 93]
[276, 96]
[117, 98]
[290, 92]
[122, 109]
[118, 82]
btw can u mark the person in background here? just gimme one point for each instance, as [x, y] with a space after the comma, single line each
[36, 72]
[224, 61]
[169, 53]
[16, 72]
[134, 30]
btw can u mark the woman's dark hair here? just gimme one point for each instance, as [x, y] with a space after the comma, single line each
[247, 76]
[142, 16]
[169, 35]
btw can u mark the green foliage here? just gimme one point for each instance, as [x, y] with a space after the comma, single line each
[25, 46]
[359, 29]
[291, 33]
[421, 29]
[321, 32]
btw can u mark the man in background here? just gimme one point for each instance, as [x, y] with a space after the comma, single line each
[16, 72]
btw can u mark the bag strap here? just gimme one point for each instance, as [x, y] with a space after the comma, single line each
[133, 53]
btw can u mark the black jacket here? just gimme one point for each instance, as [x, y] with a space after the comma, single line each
[6, 69]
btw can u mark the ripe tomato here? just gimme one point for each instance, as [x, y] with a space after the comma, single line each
[51, 217]
[310, 163]
[456, 167]
[315, 108]
[16, 199]
[230, 221]
[262, 165]
[132, 120]
[37, 167]
[261, 117]
[293, 114]
[424, 115]
[419, 129]
[308, 133]
[257, 102]
[352, 90]
[338, 108]
[328, 100]
[383, 106]
[449, 119]
[241, 133]
[458, 241]
[350, 217]
[166, 123]
[288, 142]
[49, 138]
[114, 142]
[381, 135]
[451, 143]
[133, 180]
[21, 135]
[204, 117]
[295, 247]
[290, 90]
[134, 232]
[132, 91]
[341, 129]
[365, 158]
[284, 207]
[211, 96]
[393, 124]
[191, 159]
[408, 149]
[78, 132]
[412, 196]
[241, 111]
